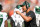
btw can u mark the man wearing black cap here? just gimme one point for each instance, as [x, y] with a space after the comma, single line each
[29, 18]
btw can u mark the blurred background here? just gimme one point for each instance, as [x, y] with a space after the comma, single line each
[9, 5]
[12, 3]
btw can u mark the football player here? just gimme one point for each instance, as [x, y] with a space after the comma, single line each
[3, 18]
[17, 18]
[37, 13]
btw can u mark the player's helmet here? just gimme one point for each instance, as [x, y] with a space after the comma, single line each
[0, 7]
[37, 9]
[27, 4]
[18, 6]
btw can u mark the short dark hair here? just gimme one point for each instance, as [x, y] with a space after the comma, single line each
[0, 7]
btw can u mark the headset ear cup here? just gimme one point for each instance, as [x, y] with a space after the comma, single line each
[27, 4]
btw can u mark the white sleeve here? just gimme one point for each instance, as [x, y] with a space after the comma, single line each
[13, 16]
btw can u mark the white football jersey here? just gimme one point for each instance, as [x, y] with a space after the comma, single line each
[3, 17]
[17, 18]
[37, 17]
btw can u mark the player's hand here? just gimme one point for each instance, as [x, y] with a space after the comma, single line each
[18, 12]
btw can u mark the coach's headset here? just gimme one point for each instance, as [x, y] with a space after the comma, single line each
[27, 4]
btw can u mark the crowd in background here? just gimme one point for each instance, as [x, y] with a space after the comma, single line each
[12, 3]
